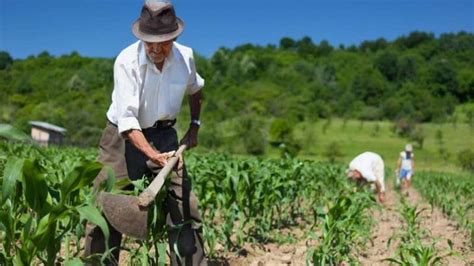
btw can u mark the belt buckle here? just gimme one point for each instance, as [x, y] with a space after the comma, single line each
[162, 123]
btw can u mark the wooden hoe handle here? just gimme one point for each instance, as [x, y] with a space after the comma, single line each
[149, 194]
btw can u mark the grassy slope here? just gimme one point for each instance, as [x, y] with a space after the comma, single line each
[356, 138]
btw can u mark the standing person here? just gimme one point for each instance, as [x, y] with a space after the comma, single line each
[151, 77]
[368, 167]
[406, 166]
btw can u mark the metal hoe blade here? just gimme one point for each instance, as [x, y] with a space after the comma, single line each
[125, 215]
[129, 214]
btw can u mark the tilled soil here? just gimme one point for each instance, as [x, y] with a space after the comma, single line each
[389, 223]
[438, 226]
[441, 229]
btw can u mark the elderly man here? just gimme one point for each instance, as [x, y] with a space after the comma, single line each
[151, 77]
[368, 167]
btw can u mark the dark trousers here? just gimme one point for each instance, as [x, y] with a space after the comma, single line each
[180, 206]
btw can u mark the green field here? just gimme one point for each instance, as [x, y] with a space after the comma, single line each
[46, 198]
[353, 138]
[356, 137]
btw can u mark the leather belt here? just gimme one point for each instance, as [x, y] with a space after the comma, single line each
[162, 124]
[159, 124]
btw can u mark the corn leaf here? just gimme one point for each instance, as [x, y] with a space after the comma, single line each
[79, 177]
[11, 133]
[44, 233]
[93, 215]
[36, 189]
[12, 173]
[74, 262]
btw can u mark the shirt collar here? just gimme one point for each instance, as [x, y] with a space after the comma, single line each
[142, 58]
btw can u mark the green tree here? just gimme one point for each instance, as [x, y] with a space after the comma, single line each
[387, 63]
[5, 60]
[287, 43]
[333, 152]
[369, 86]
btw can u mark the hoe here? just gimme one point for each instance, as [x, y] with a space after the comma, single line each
[129, 214]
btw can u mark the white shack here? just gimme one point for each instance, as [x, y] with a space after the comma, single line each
[46, 133]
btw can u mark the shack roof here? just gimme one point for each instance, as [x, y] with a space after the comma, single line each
[48, 126]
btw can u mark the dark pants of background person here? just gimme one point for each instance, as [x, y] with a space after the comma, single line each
[180, 206]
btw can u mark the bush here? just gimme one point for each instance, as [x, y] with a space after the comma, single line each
[280, 130]
[466, 159]
[404, 127]
[333, 152]
[281, 136]
[252, 134]
[370, 113]
[418, 136]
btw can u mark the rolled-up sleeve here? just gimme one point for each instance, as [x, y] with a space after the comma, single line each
[126, 98]
[195, 81]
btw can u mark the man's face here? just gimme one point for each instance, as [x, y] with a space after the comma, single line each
[158, 51]
[355, 175]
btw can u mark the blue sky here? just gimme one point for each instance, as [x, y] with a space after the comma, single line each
[101, 28]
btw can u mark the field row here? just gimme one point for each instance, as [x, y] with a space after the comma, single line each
[46, 198]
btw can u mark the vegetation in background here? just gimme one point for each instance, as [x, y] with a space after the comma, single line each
[333, 152]
[419, 77]
[352, 139]
[466, 159]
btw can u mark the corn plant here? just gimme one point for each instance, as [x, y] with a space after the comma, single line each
[411, 216]
[453, 194]
[40, 205]
[243, 200]
[417, 253]
[346, 226]
[411, 250]
[248, 198]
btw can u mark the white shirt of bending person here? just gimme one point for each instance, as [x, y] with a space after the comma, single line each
[370, 165]
[142, 94]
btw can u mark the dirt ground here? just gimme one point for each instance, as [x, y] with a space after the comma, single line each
[438, 226]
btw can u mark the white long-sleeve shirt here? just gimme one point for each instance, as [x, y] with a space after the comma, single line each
[370, 165]
[142, 94]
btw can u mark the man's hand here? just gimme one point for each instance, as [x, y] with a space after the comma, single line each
[191, 137]
[161, 158]
[381, 196]
[138, 140]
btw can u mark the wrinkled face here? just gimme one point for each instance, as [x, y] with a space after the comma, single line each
[158, 51]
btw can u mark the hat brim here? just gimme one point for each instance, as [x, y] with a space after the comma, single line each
[157, 38]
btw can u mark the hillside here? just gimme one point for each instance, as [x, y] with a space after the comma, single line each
[419, 77]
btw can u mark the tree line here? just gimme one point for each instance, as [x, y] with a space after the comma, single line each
[418, 77]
